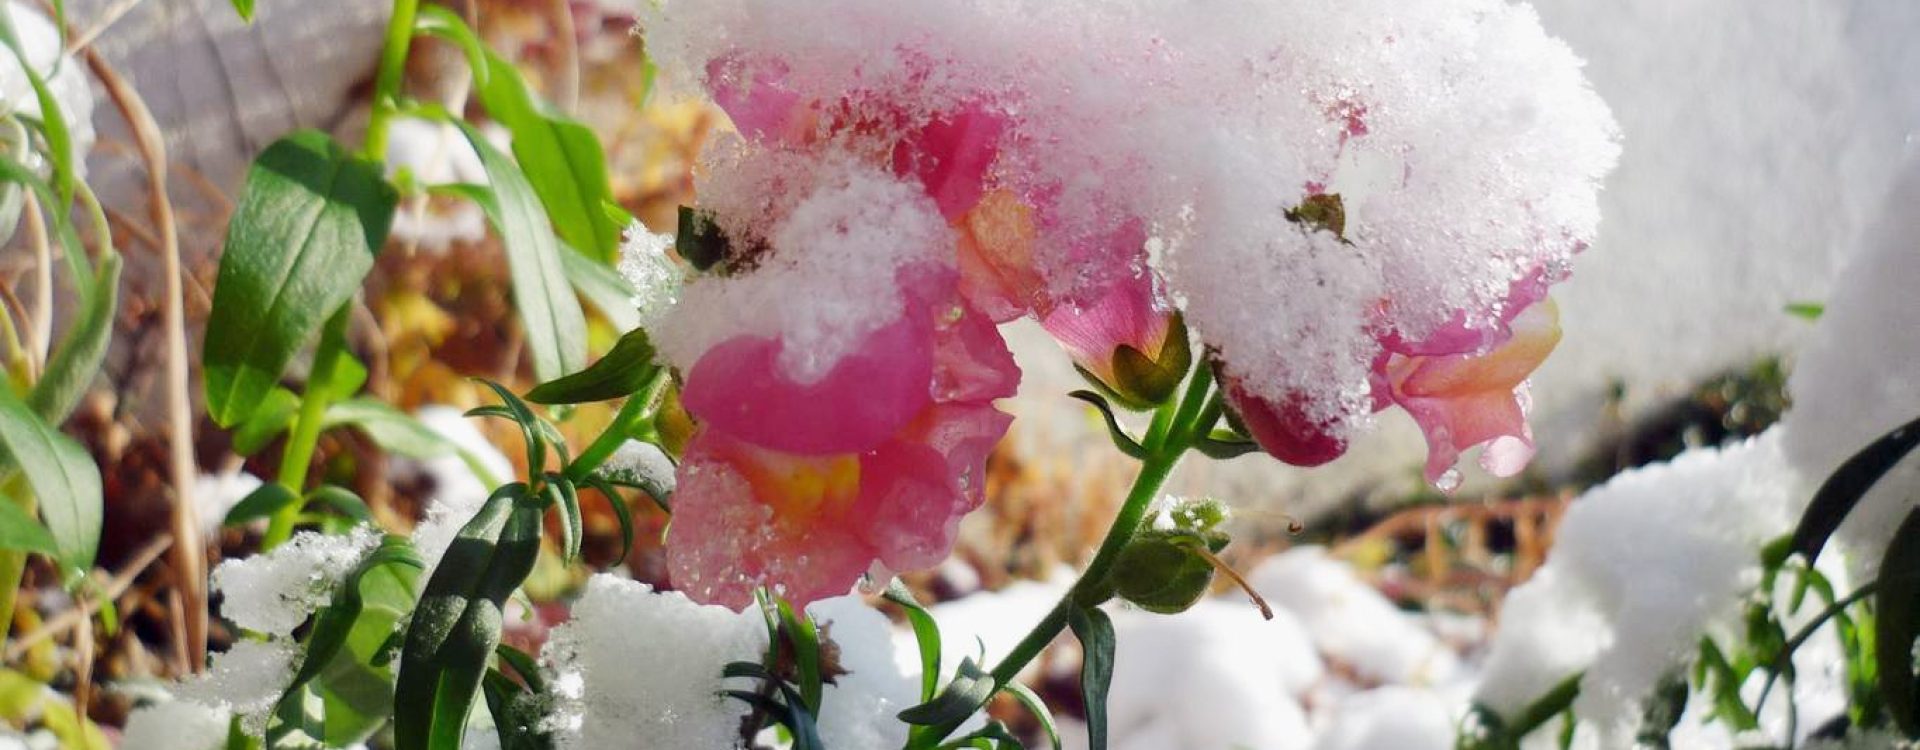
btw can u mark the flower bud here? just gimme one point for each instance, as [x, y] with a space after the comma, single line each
[1164, 571]
[1125, 344]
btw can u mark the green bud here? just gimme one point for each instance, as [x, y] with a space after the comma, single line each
[1163, 571]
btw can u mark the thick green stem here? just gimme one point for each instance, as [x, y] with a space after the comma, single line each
[1173, 431]
[306, 427]
[386, 86]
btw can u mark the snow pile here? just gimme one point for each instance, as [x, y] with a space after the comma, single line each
[272, 593]
[245, 680]
[1352, 622]
[857, 710]
[1215, 676]
[1642, 567]
[1860, 377]
[618, 689]
[842, 235]
[656, 279]
[661, 690]
[176, 725]
[1464, 144]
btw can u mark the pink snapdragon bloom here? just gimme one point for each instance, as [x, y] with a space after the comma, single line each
[858, 487]
[1126, 340]
[949, 154]
[1463, 400]
[1284, 429]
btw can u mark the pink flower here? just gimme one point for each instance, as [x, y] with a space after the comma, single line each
[1463, 400]
[838, 487]
[1125, 341]
[1284, 429]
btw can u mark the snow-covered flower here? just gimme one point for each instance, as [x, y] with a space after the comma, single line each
[776, 488]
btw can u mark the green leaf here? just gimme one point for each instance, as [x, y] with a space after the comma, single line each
[342, 501]
[244, 8]
[1095, 632]
[563, 160]
[11, 170]
[1844, 488]
[311, 218]
[556, 329]
[262, 502]
[565, 498]
[926, 633]
[532, 430]
[345, 665]
[1038, 708]
[805, 639]
[1896, 621]
[53, 122]
[620, 512]
[73, 366]
[456, 628]
[1806, 310]
[603, 287]
[623, 372]
[62, 476]
[392, 429]
[273, 416]
[22, 532]
[1121, 439]
[969, 689]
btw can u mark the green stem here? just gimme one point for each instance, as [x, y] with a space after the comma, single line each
[1169, 438]
[306, 427]
[636, 411]
[393, 67]
[13, 563]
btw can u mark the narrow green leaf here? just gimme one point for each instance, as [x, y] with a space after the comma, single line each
[244, 8]
[11, 170]
[62, 476]
[566, 499]
[621, 512]
[344, 665]
[604, 288]
[392, 429]
[53, 122]
[311, 218]
[272, 416]
[926, 633]
[556, 329]
[1844, 488]
[1038, 708]
[343, 501]
[456, 627]
[625, 370]
[1121, 439]
[23, 533]
[73, 366]
[1806, 310]
[1896, 620]
[1095, 631]
[514, 409]
[969, 689]
[805, 639]
[262, 502]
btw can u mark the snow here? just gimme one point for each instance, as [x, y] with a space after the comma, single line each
[176, 725]
[246, 680]
[662, 690]
[1395, 717]
[1860, 376]
[837, 241]
[215, 495]
[656, 279]
[1642, 567]
[1199, 130]
[272, 593]
[1215, 676]
[856, 712]
[1351, 621]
